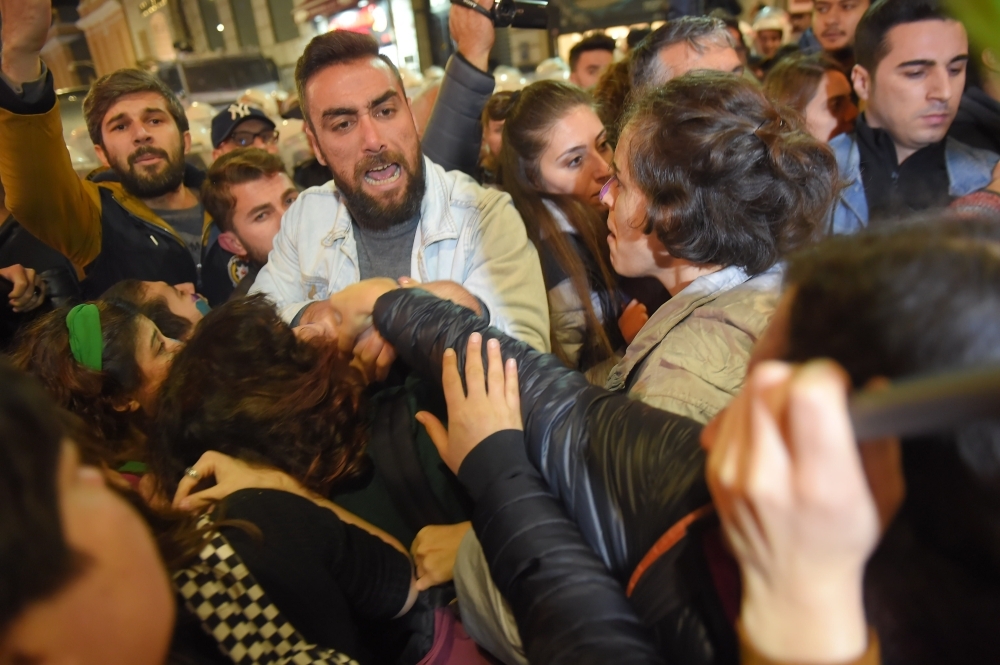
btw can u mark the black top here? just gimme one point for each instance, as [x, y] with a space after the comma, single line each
[324, 575]
[895, 190]
[978, 121]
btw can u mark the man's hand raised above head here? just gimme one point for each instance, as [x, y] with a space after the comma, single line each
[25, 28]
[473, 33]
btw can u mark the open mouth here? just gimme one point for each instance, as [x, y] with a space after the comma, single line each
[383, 175]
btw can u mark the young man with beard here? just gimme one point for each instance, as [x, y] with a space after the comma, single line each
[390, 211]
[246, 192]
[911, 72]
[139, 219]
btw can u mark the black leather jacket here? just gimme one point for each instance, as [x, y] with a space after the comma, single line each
[622, 471]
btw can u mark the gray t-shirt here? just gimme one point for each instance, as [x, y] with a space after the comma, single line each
[188, 223]
[385, 253]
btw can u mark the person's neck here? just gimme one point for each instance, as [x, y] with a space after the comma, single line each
[902, 152]
[676, 276]
[181, 198]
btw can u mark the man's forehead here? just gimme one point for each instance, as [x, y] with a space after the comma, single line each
[936, 39]
[355, 82]
[137, 102]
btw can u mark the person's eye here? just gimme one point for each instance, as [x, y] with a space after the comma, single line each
[260, 216]
[385, 112]
[155, 121]
[575, 162]
[914, 74]
[342, 126]
[290, 200]
[956, 71]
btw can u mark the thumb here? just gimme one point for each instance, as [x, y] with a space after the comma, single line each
[435, 430]
[424, 583]
[196, 503]
[407, 282]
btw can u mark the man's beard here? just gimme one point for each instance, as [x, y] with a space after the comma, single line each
[256, 259]
[157, 184]
[369, 212]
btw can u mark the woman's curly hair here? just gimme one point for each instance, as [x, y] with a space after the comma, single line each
[729, 180]
[244, 385]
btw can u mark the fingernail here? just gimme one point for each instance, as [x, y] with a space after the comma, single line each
[476, 337]
[493, 343]
[449, 352]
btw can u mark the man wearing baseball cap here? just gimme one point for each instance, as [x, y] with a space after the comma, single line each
[243, 126]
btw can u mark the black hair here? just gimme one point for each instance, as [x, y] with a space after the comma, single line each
[870, 38]
[596, 42]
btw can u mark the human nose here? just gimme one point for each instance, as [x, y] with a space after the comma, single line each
[602, 169]
[172, 345]
[139, 133]
[372, 139]
[608, 195]
[941, 84]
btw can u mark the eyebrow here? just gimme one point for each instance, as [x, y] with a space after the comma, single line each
[118, 116]
[350, 110]
[931, 63]
[261, 208]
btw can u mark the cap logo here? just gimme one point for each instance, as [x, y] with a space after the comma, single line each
[238, 111]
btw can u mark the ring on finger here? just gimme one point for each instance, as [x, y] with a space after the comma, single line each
[192, 473]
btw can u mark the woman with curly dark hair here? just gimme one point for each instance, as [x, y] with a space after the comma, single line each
[247, 386]
[711, 188]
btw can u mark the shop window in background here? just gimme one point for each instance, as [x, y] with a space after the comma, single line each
[281, 20]
[246, 27]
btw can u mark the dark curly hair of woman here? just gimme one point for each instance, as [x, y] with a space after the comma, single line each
[244, 385]
[729, 181]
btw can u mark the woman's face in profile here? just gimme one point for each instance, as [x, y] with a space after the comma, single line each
[576, 161]
[119, 606]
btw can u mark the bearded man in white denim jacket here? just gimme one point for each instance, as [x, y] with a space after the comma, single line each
[390, 211]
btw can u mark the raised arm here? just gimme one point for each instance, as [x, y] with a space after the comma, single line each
[454, 132]
[43, 191]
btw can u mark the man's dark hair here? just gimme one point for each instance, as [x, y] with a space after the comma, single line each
[932, 586]
[696, 31]
[235, 168]
[728, 181]
[334, 48]
[595, 42]
[35, 559]
[108, 89]
[870, 39]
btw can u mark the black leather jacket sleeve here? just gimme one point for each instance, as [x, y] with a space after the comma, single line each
[623, 471]
[568, 607]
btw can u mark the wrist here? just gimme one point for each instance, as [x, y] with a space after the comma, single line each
[476, 57]
[21, 65]
[818, 621]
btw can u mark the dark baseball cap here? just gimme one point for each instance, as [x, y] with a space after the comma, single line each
[226, 122]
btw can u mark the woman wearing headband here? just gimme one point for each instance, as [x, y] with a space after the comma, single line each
[711, 188]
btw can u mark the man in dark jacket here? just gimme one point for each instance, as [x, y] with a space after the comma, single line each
[142, 218]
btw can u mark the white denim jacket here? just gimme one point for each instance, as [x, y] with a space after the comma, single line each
[467, 234]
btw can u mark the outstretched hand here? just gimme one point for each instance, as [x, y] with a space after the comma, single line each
[493, 402]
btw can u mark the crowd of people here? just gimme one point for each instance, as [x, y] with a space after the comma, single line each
[569, 370]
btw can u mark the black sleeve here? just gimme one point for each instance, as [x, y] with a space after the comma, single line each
[454, 131]
[36, 97]
[569, 609]
[310, 553]
[623, 471]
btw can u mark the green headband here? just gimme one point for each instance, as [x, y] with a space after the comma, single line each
[85, 341]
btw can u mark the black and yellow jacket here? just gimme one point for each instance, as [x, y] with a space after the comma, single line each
[106, 233]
